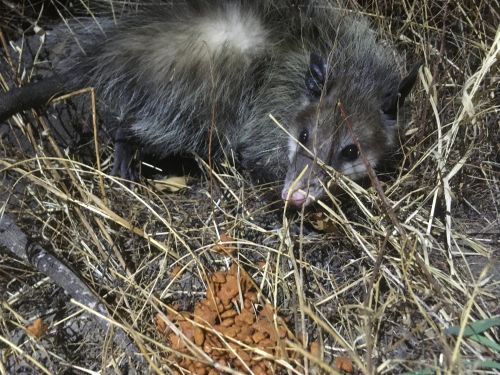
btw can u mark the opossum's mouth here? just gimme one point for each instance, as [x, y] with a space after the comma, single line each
[301, 196]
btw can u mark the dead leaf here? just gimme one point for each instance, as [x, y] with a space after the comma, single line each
[344, 364]
[161, 325]
[171, 184]
[315, 349]
[175, 271]
[37, 329]
[322, 223]
[224, 245]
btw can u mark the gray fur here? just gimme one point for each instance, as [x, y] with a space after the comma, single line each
[177, 75]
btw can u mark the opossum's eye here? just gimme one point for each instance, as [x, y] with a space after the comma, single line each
[350, 152]
[304, 136]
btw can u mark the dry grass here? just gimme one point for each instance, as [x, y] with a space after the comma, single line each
[393, 267]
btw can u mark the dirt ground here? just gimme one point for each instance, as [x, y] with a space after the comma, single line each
[137, 275]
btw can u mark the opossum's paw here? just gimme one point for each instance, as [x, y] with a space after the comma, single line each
[124, 165]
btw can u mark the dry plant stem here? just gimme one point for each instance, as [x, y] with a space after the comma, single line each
[313, 359]
[367, 304]
[299, 279]
[7, 55]
[21, 352]
[83, 193]
[389, 211]
[96, 144]
[99, 209]
[345, 345]
[15, 240]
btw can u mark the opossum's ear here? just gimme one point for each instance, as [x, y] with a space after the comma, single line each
[393, 101]
[315, 75]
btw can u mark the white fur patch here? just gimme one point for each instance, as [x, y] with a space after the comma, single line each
[357, 169]
[233, 29]
[292, 148]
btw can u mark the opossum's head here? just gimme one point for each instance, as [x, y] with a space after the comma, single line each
[345, 124]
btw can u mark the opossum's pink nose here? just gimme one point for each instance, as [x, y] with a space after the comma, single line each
[296, 199]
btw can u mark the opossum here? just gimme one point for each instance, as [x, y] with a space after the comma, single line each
[203, 77]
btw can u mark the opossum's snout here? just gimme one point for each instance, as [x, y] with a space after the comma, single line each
[299, 192]
[304, 177]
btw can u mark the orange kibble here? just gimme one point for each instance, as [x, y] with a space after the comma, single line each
[175, 342]
[220, 308]
[201, 365]
[182, 316]
[210, 299]
[247, 304]
[315, 349]
[207, 348]
[233, 270]
[187, 328]
[267, 312]
[227, 322]
[252, 296]
[231, 355]
[222, 362]
[267, 344]
[282, 331]
[219, 277]
[227, 295]
[245, 331]
[230, 331]
[175, 271]
[224, 237]
[248, 340]
[257, 337]
[259, 369]
[204, 314]
[216, 341]
[263, 326]
[225, 245]
[161, 325]
[199, 336]
[344, 364]
[228, 313]
[172, 313]
[244, 356]
[246, 317]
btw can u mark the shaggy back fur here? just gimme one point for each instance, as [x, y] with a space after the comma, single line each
[177, 75]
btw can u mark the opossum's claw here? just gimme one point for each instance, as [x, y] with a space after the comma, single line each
[124, 165]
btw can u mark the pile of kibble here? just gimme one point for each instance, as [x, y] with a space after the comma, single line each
[228, 328]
